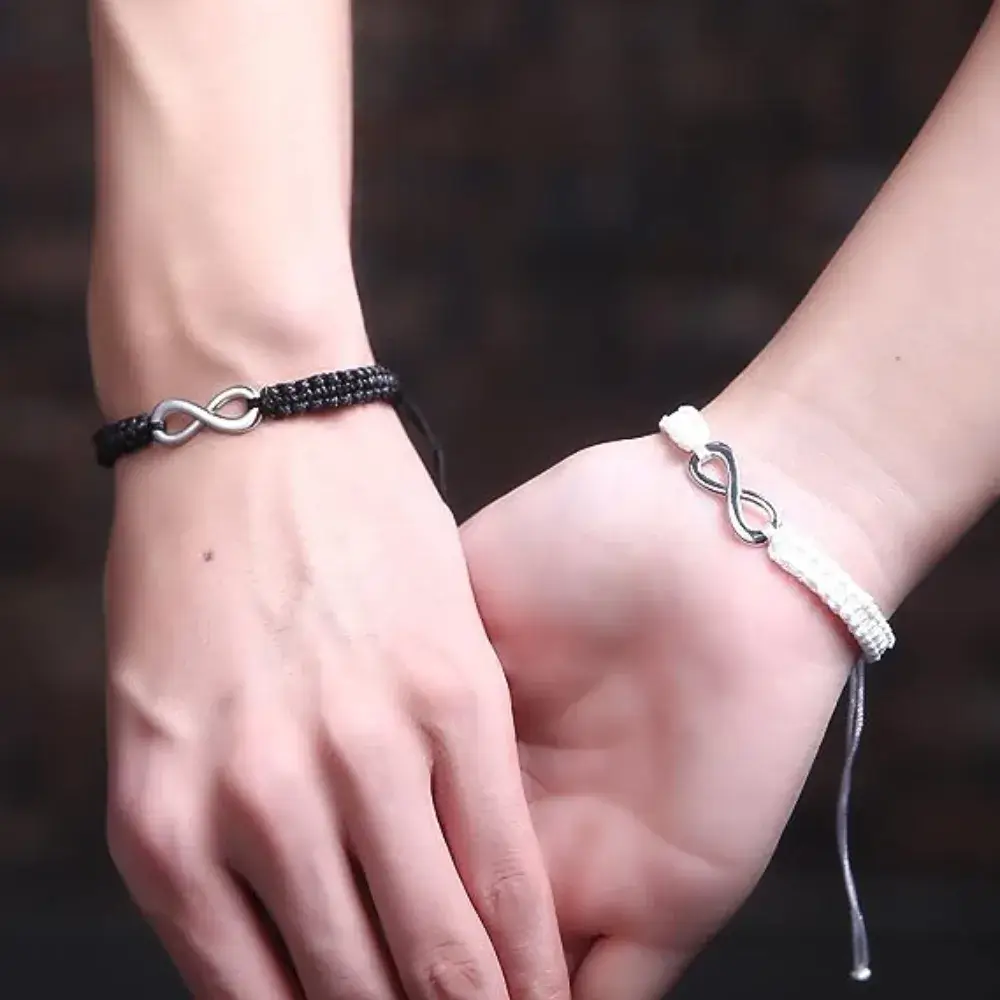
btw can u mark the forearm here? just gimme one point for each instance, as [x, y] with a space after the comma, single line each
[223, 145]
[879, 398]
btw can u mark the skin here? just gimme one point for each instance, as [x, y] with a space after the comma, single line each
[305, 715]
[670, 685]
[310, 741]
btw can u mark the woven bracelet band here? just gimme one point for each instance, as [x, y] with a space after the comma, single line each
[814, 569]
[315, 394]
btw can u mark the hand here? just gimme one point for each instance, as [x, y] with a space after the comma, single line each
[305, 712]
[670, 689]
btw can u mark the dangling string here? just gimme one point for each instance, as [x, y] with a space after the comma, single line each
[419, 421]
[861, 969]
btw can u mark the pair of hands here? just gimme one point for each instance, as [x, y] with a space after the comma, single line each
[414, 761]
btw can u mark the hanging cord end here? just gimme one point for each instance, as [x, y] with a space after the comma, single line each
[861, 971]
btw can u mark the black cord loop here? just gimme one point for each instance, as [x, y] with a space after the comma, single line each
[314, 394]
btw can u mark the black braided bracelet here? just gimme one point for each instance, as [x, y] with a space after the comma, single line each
[325, 391]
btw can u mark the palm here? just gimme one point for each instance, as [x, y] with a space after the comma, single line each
[669, 689]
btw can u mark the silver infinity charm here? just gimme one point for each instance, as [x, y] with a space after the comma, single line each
[206, 416]
[734, 493]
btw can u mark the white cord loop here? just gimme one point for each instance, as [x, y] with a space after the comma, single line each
[855, 607]
[815, 570]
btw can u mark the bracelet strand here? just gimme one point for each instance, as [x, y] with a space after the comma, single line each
[315, 394]
[814, 569]
[324, 391]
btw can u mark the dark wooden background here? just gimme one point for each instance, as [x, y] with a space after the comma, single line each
[570, 214]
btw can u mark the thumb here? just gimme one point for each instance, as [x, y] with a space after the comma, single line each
[617, 969]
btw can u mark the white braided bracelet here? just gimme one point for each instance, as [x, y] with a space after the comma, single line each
[814, 569]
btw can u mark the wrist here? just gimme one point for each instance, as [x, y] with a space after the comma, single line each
[154, 346]
[222, 231]
[302, 459]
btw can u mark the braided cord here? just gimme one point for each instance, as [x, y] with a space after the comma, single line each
[123, 437]
[329, 391]
[315, 394]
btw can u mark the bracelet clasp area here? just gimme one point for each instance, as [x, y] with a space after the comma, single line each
[209, 415]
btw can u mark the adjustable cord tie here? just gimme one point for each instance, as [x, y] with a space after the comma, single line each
[814, 569]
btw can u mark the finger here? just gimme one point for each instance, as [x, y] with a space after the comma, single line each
[158, 833]
[285, 843]
[438, 943]
[221, 948]
[626, 970]
[480, 800]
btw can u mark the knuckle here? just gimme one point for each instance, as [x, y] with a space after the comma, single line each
[361, 742]
[450, 971]
[516, 904]
[459, 699]
[263, 790]
[461, 712]
[511, 897]
[451, 702]
[250, 790]
[150, 842]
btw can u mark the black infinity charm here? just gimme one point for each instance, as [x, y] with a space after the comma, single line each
[734, 493]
